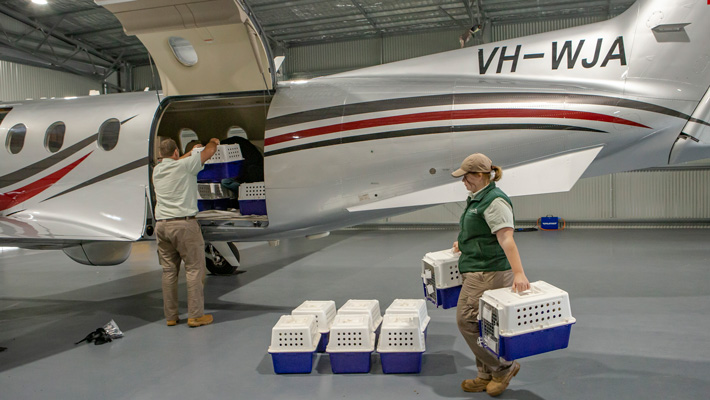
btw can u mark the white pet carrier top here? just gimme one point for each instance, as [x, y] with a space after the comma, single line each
[401, 333]
[350, 334]
[367, 307]
[410, 306]
[294, 333]
[324, 311]
[440, 269]
[225, 153]
[543, 306]
[252, 191]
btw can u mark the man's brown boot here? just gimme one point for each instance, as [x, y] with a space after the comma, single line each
[173, 322]
[474, 385]
[203, 320]
[498, 384]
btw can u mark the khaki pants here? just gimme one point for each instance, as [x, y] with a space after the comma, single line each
[474, 284]
[182, 241]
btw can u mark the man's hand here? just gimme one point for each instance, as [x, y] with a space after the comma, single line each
[209, 150]
[520, 282]
[455, 248]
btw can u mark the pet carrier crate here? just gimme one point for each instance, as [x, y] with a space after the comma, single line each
[411, 306]
[324, 312]
[441, 278]
[516, 325]
[252, 198]
[225, 163]
[370, 308]
[401, 344]
[351, 344]
[293, 344]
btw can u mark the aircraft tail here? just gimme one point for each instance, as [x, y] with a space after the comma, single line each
[655, 49]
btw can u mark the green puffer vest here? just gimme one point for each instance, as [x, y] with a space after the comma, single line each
[479, 247]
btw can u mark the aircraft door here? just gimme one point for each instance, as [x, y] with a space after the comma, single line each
[199, 46]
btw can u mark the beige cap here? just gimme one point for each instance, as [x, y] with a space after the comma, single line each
[474, 163]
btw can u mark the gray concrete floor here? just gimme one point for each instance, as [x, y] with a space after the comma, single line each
[640, 298]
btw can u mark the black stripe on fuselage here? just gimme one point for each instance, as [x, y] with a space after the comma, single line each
[128, 119]
[110, 174]
[429, 131]
[39, 166]
[465, 98]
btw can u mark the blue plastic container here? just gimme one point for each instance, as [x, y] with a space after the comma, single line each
[529, 344]
[215, 172]
[350, 363]
[218, 204]
[252, 207]
[445, 298]
[324, 336]
[401, 363]
[293, 363]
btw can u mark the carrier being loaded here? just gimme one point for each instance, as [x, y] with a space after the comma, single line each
[237, 166]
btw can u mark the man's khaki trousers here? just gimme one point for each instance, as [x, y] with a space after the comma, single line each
[474, 284]
[180, 240]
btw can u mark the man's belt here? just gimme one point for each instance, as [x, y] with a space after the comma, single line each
[177, 219]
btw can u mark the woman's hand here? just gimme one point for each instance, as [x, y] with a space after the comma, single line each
[455, 248]
[520, 282]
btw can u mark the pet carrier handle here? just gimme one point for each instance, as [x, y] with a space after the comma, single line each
[525, 293]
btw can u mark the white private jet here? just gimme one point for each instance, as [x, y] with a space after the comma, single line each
[623, 94]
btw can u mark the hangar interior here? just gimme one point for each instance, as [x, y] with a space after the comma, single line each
[634, 255]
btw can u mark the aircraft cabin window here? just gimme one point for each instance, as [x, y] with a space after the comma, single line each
[54, 138]
[237, 131]
[16, 138]
[187, 136]
[108, 134]
[183, 50]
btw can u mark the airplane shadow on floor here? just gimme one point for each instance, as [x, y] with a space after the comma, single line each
[44, 326]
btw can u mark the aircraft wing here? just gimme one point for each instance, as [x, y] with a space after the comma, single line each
[28, 231]
[550, 175]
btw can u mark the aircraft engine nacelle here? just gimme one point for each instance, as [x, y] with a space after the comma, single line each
[99, 253]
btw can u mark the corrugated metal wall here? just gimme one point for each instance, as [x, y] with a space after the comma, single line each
[328, 58]
[20, 82]
[144, 78]
[509, 31]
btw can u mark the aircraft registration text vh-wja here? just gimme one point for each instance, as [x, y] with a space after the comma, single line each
[619, 95]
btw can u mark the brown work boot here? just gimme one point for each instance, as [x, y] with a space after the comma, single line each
[173, 322]
[474, 385]
[203, 320]
[498, 384]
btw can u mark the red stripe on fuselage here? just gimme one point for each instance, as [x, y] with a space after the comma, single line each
[445, 115]
[17, 196]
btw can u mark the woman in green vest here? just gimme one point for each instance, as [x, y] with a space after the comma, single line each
[489, 260]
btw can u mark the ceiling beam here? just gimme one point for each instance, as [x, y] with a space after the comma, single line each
[462, 25]
[94, 31]
[467, 4]
[276, 5]
[28, 21]
[364, 13]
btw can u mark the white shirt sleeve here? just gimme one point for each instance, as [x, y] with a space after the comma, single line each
[193, 164]
[499, 215]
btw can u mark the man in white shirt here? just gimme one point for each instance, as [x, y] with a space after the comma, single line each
[178, 232]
